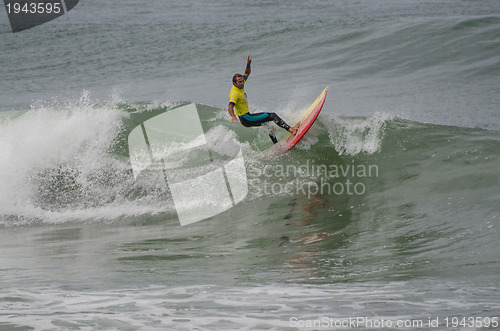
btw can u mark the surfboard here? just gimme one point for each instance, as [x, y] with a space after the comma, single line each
[304, 124]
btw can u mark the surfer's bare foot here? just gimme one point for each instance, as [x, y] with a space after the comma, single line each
[293, 129]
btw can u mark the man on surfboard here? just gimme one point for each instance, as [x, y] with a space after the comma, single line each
[238, 106]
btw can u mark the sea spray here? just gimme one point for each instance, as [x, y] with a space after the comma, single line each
[351, 136]
[55, 159]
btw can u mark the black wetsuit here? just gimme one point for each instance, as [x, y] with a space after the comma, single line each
[258, 118]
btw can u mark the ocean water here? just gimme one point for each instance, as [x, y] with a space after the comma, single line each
[385, 216]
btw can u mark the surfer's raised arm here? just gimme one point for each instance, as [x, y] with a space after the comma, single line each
[248, 69]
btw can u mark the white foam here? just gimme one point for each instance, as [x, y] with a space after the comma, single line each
[242, 307]
[353, 136]
[69, 139]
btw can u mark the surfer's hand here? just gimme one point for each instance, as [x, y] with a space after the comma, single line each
[234, 119]
[249, 60]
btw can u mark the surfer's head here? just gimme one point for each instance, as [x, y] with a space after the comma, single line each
[239, 81]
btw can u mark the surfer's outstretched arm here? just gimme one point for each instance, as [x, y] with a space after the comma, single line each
[248, 69]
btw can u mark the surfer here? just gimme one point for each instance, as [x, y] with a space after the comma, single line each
[238, 106]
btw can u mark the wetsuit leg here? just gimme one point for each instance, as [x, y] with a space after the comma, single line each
[254, 119]
[258, 118]
[279, 121]
[273, 138]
